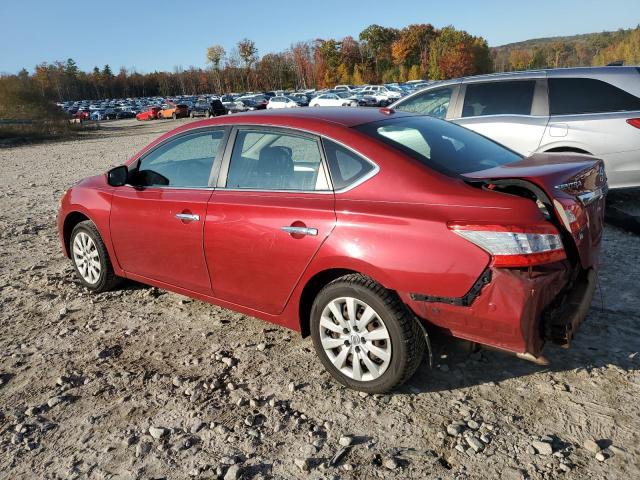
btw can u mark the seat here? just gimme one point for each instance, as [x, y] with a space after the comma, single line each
[274, 170]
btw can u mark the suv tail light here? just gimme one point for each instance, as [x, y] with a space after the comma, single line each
[514, 245]
[634, 122]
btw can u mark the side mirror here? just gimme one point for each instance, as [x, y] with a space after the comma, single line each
[117, 176]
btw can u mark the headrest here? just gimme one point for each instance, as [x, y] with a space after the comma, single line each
[275, 161]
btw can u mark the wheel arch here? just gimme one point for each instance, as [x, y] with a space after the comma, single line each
[311, 290]
[70, 221]
[567, 149]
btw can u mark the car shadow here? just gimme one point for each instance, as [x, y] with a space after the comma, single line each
[457, 365]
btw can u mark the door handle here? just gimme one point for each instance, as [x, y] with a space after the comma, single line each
[300, 231]
[187, 217]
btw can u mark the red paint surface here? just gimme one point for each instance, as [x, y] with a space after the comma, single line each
[392, 228]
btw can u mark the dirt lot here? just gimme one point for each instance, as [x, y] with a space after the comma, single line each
[141, 383]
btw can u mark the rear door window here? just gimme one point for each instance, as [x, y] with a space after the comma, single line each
[569, 96]
[274, 160]
[498, 98]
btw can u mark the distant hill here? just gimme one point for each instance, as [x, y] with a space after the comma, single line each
[569, 51]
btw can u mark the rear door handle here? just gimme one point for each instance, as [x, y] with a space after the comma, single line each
[300, 230]
[188, 217]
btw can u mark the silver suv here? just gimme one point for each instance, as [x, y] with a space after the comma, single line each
[590, 110]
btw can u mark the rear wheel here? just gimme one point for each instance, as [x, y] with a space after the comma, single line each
[174, 116]
[364, 335]
[90, 258]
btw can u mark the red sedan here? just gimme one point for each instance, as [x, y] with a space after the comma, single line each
[151, 113]
[362, 228]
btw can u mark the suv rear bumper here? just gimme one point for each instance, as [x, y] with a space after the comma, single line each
[518, 310]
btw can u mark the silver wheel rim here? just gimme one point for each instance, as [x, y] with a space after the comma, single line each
[355, 339]
[86, 258]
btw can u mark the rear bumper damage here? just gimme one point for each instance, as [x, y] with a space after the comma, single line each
[517, 310]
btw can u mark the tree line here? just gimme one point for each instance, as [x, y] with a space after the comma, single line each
[581, 50]
[378, 55]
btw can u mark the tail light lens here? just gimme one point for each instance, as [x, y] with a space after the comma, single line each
[634, 122]
[514, 245]
[571, 213]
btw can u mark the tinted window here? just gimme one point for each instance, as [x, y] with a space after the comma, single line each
[496, 98]
[441, 145]
[586, 95]
[183, 162]
[434, 103]
[346, 167]
[276, 161]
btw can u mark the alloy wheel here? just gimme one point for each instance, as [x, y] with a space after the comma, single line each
[86, 258]
[355, 339]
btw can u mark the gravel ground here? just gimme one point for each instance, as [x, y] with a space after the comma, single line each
[142, 383]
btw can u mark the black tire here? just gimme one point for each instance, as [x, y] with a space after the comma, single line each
[107, 279]
[174, 116]
[192, 115]
[407, 338]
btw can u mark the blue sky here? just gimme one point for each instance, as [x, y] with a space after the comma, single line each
[160, 34]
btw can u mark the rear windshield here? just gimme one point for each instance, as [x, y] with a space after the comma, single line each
[443, 146]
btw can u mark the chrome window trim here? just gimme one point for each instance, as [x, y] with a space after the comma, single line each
[360, 180]
[229, 149]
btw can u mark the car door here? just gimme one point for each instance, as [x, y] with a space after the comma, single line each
[272, 210]
[514, 113]
[157, 221]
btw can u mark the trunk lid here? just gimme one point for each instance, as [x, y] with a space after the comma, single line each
[571, 187]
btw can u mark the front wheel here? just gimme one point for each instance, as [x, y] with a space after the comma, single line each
[364, 335]
[174, 116]
[90, 258]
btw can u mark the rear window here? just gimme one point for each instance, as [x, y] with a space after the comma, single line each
[498, 98]
[443, 146]
[587, 95]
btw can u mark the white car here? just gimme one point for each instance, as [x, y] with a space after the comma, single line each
[339, 99]
[381, 90]
[282, 102]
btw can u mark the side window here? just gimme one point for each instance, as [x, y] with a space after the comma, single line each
[434, 103]
[499, 98]
[183, 162]
[586, 95]
[269, 160]
[346, 167]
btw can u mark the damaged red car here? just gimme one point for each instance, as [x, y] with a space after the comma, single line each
[361, 228]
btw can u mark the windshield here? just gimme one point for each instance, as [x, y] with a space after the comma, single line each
[443, 146]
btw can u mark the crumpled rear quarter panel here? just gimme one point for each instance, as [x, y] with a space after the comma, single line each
[506, 314]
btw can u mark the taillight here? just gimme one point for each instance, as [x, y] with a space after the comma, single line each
[514, 245]
[634, 122]
[572, 214]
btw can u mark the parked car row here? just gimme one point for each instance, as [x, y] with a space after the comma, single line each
[152, 108]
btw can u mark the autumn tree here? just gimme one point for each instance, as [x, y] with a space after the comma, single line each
[376, 45]
[520, 59]
[248, 53]
[215, 54]
[411, 46]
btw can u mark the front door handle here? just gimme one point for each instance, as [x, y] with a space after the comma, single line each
[300, 231]
[187, 217]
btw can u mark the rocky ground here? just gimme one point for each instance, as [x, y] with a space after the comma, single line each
[140, 383]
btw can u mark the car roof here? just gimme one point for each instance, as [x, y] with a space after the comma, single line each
[548, 72]
[343, 116]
